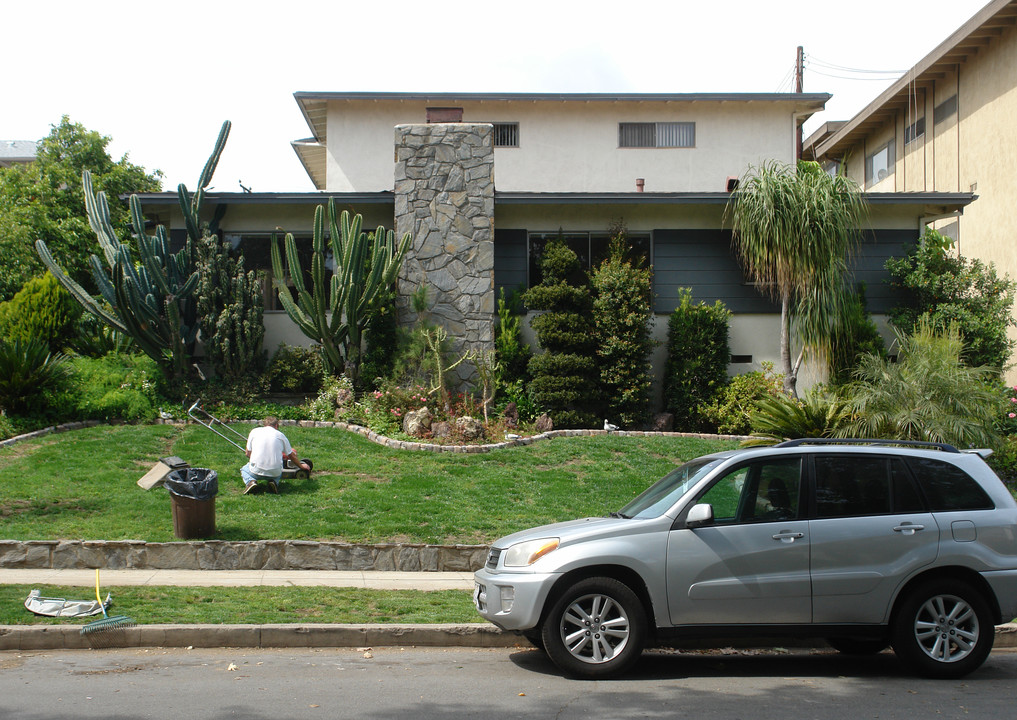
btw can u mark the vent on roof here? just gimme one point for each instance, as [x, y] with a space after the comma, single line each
[444, 115]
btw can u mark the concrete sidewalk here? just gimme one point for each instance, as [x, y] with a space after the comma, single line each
[375, 579]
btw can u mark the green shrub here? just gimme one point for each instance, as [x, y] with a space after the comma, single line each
[27, 368]
[512, 352]
[854, 336]
[622, 311]
[114, 387]
[94, 338]
[334, 401]
[295, 369]
[698, 353]
[381, 340]
[950, 289]
[7, 428]
[928, 394]
[819, 414]
[1004, 462]
[564, 375]
[730, 410]
[41, 310]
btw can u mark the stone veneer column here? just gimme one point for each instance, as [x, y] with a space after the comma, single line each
[444, 197]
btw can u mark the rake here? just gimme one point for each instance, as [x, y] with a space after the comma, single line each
[110, 632]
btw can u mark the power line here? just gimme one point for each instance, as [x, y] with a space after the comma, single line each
[843, 68]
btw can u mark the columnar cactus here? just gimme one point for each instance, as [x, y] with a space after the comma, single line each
[336, 313]
[152, 301]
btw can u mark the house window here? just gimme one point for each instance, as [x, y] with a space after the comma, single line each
[914, 131]
[591, 248]
[506, 134]
[880, 164]
[657, 135]
[945, 110]
[832, 168]
[256, 251]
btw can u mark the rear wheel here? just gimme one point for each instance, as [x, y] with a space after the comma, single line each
[943, 629]
[595, 629]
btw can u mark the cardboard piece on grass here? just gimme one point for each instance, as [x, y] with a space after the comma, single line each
[156, 476]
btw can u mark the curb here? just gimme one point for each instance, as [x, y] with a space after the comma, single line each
[473, 635]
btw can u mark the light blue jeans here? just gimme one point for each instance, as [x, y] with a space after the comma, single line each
[249, 477]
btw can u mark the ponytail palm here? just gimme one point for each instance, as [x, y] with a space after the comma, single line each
[793, 231]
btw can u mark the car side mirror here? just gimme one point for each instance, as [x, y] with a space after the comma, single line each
[700, 514]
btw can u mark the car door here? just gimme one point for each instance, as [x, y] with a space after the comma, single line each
[751, 564]
[869, 532]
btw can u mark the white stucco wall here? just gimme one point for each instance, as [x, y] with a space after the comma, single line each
[572, 146]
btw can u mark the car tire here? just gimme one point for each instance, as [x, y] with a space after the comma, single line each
[943, 629]
[595, 629]
[858, 646]
[535, 637]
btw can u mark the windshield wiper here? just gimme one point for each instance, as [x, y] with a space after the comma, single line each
[619, 515]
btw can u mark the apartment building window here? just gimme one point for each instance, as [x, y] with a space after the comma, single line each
[914, 131]
[506, 134]
[657, 135]
[880, 164]
[945, 110]
[591, 248]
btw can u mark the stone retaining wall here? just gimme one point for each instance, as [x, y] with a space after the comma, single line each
[253, 555]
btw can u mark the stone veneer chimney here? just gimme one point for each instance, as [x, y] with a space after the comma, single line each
[444, 197]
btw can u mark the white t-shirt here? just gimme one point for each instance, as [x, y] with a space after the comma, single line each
[267, 446]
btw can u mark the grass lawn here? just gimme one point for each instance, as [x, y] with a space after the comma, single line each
[252, 606]
[82, 485]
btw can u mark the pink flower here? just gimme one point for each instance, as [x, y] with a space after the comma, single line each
[1013, 399]
[1013, 415]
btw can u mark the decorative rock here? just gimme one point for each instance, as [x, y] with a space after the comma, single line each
[417, 422]
[663, 422]
[511, 415]
[441, 431]
[469, 427]
[543, 423]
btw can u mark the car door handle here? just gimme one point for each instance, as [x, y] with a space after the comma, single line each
[788, 537]
[908, 528]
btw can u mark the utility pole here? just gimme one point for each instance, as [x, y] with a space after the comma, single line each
[799, 71]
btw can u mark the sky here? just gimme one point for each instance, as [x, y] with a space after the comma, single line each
[160, 78]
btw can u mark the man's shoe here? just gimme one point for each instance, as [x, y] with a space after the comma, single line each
[273, 487]
[249, 488]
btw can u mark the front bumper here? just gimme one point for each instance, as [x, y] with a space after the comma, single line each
[512, 601]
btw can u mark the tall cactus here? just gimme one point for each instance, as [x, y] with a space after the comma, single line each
[336, 313]
[152, 301]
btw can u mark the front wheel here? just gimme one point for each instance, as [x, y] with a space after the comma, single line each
[944, 629]
[595, 629]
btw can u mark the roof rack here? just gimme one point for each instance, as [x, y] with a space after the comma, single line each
[945, 447]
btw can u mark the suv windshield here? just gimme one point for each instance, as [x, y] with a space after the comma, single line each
[659, 497]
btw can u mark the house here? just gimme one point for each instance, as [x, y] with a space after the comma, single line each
[17, 152]
[483, 181]
[945, 126]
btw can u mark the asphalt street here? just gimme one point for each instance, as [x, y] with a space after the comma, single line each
[459, 683]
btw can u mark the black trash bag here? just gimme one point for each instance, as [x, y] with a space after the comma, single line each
[196, 483]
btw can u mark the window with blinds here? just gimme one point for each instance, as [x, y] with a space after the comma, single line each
[657, 135]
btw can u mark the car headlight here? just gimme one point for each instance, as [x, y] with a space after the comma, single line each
[529, 552]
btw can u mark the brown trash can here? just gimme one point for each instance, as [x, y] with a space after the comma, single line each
[193, 519]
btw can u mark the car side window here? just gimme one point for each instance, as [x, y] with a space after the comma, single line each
[850, 485]
[762, 491]
[947, 487]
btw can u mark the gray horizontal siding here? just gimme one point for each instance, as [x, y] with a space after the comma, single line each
[868, 266]
[701, 260]
[510, 260]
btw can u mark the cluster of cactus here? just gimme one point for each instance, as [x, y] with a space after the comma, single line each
[335, 313]
[152, 301]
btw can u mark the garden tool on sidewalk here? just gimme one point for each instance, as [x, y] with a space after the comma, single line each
[110, 631]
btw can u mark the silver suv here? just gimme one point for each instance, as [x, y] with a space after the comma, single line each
[865, 544]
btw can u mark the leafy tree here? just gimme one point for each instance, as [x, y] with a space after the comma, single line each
[948, 288]
[44, 200]
[927, 394]
[565, 375]
[793, 230]
[622, 310]
[854, 335]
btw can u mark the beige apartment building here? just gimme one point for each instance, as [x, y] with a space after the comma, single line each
[949, 124]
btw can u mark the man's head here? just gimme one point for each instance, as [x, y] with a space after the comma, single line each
[271, 421]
